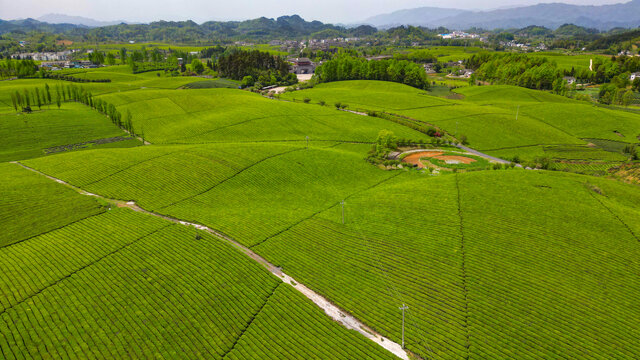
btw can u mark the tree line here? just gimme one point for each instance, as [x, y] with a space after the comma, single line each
[17, 68]
[517, 69]
[347, 67]
[30, 97]
[254, 68]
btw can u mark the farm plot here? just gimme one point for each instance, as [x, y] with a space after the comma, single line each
[28, 135]
[534, 264]
[493, 118]
[400, 244]
[157, 176]
[371, 95]
[31, 266]
[506, 94]
[31, 204]
[224, 115]
[291, 327]
[585, 121]
[550, 269]
[280, 191]
[270, 186]
[159, 292]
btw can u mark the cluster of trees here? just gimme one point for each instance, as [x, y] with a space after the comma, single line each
[83, 96]
[17, 68]
[25, 99]
[50, 75]
[346, 67]
[418, 56]
[608, 69]
[255, 68]
[517, 69]
[611, 94]
[144, 60]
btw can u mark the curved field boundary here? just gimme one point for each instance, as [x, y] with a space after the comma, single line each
[333, 311]
[231, 177]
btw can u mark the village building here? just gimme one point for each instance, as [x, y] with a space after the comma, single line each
[54, 65]
[634, 76]
[570, 80]
[302, 66]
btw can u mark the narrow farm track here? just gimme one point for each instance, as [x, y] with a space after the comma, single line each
[463, 267]
[334, 312]
[476, 152]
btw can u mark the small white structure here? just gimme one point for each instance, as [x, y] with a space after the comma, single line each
[570, 80]
[634, 76]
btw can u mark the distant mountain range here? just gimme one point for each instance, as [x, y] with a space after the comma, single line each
[552, 16]
[76, 20]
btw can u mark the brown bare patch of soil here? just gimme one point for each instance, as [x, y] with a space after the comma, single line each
[461, 159]
[414, 158]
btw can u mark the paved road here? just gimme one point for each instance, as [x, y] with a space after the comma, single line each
[476, 152]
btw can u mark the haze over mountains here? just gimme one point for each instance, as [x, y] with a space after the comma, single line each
[552, 16]
[76, 20]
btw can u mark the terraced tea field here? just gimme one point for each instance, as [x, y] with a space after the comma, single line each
[226, 115]
[230, 235]
[169, 294]
[46, 131]
[498, 120]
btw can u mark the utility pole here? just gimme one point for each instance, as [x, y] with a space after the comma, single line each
[517, 112]
[342, 203]
[307, 142]
[403, 308]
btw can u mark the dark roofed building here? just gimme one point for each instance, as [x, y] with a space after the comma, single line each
[302, 66]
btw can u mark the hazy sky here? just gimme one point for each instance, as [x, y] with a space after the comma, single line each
[335, 11]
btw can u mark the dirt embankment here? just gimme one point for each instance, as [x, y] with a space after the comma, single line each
[414, 159]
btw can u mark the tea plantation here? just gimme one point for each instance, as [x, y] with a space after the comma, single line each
[493, 261]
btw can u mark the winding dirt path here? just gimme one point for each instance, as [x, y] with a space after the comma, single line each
[333, 311]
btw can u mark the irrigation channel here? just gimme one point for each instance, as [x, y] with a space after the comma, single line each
[334, 312]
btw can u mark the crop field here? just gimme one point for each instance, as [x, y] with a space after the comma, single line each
[31, 204]
[269, 185]
[288, 206]
[186, 246]
[568, 61]
[499, 120]
[226, 115]
[445, 262]
[132, 174]
[166, 314]
[40, 133]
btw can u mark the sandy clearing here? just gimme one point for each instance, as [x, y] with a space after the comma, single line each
[414, 158]
[451, 159]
